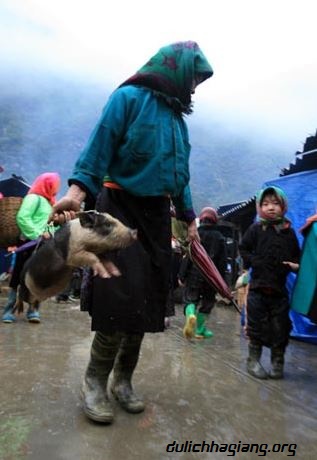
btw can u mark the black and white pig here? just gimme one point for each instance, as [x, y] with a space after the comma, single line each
[83, 241]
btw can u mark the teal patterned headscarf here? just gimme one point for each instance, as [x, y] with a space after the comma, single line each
[281, 222]
[172, 71]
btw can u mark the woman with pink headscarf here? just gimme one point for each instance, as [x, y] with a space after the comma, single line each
[32, 221]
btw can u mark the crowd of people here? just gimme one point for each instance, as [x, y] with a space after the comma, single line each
[135, 164]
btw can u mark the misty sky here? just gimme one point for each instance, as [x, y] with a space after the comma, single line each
[263, 52]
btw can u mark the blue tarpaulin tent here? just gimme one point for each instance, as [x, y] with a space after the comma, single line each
[301, 191]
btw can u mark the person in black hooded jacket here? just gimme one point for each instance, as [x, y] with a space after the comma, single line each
[196, 289]
[271, 249]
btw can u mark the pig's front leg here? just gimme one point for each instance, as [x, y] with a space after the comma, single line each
[104, 269]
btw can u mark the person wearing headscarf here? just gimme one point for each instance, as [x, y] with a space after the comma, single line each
[270, 248]
[199, 296]
[136, 161]
[32, 221]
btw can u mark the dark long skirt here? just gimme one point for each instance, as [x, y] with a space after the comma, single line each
[135, 302]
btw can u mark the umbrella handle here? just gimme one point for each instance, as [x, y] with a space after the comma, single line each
[236, 306]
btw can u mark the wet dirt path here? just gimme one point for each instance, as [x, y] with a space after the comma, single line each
[195, 391]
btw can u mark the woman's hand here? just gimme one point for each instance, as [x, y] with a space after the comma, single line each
[46, 235]
[192, 231]
[180, 283]
[67, 207]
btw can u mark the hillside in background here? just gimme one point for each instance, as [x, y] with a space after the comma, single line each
[227, 167]
[45, 121]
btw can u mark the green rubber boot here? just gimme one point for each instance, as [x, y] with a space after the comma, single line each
[201, 331]
[191, 320]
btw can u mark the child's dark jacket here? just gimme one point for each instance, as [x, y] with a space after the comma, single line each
[264, 248]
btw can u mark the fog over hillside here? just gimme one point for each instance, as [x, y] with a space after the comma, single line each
[60, 60]
[46, 119]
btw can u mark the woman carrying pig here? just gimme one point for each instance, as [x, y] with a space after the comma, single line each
[136, 161]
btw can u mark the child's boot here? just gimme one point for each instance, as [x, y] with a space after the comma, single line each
[191, 320]
[33, 315]
[277, 362]
[8, 316]
[254, 366]
[201, 331]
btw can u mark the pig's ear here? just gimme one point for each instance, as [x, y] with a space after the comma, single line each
[87, 219]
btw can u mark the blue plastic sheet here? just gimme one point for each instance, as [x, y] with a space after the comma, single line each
[303, 328]
[301, 191]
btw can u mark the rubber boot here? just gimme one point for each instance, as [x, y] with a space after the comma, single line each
[125, 363]
[254, 367]
[96, 404]
[8, 316]
[277, 362]
[201, 331]
[33, 315]
[191, 320]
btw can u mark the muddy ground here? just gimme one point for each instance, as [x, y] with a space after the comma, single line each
[198, 395]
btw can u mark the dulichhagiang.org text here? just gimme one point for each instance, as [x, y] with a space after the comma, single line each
[233, 448]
